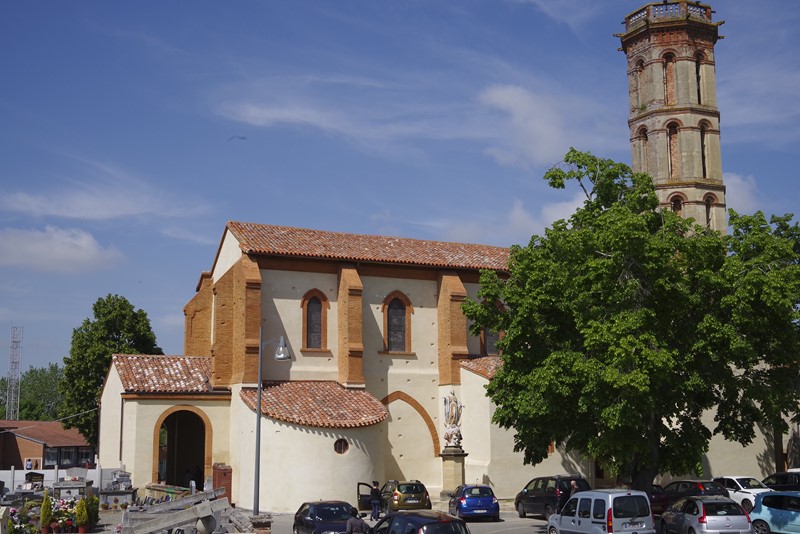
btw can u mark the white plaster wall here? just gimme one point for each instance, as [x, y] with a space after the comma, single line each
[229, 254]
[140, 417]
[299, 463]
[409, 450]
[281, 295]
[492, 459]
[111, 406]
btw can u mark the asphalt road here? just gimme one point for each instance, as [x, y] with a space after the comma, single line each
[509, 522]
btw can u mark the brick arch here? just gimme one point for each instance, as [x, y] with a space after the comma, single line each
[411, 401]
[208, 436]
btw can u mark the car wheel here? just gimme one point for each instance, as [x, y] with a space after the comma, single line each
[520, 510]
[548, 511]
[747, 505]
[760, 527]
[294, 530]
[496, 518]
[552, 530]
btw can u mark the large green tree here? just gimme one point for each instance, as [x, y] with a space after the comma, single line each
[117, 328]
[626, 324]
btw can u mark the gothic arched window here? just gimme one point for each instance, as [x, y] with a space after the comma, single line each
[315, 315]
[673, 150]
[643, 149]
[698, 65]
[703, 148]
[397, 311]
[677, 204]
[709, 202]
[670, 81]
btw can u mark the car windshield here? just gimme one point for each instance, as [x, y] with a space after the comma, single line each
[478, 492]
[410, 488]
[333, 512]
[722, 508]
[711, 486]
[750, 483]
[447, 527]
[628, 506]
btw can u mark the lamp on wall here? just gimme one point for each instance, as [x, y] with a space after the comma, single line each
[281, 354]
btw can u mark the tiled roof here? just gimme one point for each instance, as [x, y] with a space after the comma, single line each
[485, 366]
[288, 241]
[316, 404]
[142, 373]
[49, 433]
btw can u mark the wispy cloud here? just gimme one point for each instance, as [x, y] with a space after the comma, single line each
[741, 193]
[102, 192]
[185, 234]
[572, 13]
[53, 249]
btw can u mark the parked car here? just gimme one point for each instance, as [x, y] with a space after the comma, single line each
[783, 481]
[321, 516]
[545, 495]
[704, 513]
[474, 500]
[404, 495]
[776, 511]
[742, 489]
[421, 522]
[615, 510]
[659, 500]
[685, 488]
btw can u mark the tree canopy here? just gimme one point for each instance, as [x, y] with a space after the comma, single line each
[625, 324]
[117, 328]
[38, 393]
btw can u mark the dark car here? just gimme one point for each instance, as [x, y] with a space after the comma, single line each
[404, 495]
[421, 522]
[783, 481]
[659, 500]
[321, 516]
[704, 514]
[546, 495]
[686, 488]
[474, 500]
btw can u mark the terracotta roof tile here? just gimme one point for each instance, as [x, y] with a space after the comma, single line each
[325, 404]
[50, 433]
[485, 366]
[142, 373]
[289, 241]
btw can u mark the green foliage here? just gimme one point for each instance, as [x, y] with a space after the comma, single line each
[46, 512]
[81, 515]
[39, 399]
[624, 324]
[93, 509]
[117, 328]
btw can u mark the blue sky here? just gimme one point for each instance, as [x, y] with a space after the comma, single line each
[132, 131]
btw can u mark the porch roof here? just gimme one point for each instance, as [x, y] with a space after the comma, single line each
[143, 373]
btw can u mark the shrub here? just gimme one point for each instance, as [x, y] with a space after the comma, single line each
[81, 515]
[46, 513]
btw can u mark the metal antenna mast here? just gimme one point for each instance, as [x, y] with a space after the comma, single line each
[12, 394]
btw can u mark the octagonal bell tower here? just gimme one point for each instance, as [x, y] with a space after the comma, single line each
[674, 120]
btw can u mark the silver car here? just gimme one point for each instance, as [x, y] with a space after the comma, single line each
[705, 513]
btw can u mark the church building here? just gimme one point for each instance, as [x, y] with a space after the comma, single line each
[316, 360]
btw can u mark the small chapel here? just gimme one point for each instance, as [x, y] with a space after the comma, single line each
[339, 358]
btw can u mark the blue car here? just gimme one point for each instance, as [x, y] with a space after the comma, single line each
[474, 500]
[776, 511]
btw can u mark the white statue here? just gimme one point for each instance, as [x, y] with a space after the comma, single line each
[452, 420]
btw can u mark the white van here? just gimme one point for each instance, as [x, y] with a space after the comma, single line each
[611, 511]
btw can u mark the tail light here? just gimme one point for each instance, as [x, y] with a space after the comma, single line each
[702, 519]
[427, 498]
[494, 500]
[463, 500]
[609, 522]
[395, 496]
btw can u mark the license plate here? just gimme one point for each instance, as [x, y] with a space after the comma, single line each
[480, 511]
[633, 525]
[412, 501]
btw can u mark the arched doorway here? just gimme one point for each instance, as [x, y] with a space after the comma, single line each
[181, 449]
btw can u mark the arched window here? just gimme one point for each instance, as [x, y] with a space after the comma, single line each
[673, 150]
[315, 320]
[698, 63]
[489, 342]
[397, 312]
[669, 79]
[677, 204]
[709, 202]
[643, 149]
[703, 133]
[641, 86]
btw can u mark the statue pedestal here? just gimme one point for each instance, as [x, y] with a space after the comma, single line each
[452, 469]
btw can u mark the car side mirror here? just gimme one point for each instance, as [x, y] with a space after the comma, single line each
[525, 491]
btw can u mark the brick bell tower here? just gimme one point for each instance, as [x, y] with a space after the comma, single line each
[674, 120]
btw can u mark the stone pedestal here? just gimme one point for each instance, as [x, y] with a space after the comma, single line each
[452, 469]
